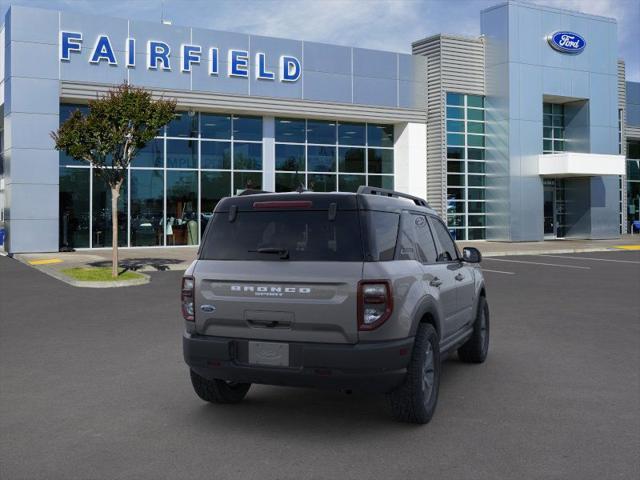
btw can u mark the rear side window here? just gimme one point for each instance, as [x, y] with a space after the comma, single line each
[424, 240]
[447, 249]
[382, 235]
[304, 235]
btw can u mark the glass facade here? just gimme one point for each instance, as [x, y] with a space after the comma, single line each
[552, 128]
[172, 186]
[326, 156]
[633, 183]
[465, 130]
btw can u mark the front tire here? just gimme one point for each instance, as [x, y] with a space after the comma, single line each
[218, 391]
[415, 400]
[475, 349]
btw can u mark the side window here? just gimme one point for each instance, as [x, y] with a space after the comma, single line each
[447, 249]
[406, 242]
[426, 249]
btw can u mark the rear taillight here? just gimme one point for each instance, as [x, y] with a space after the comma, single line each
[375, 303]
[186, 297]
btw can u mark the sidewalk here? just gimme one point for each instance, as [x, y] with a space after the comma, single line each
[179, 258]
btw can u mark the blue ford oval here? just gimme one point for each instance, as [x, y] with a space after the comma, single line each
[567, 42]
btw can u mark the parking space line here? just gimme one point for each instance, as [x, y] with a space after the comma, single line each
[536, 263]
[498, 271]
[591, 258]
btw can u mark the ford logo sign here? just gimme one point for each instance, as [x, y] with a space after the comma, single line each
[567, 42]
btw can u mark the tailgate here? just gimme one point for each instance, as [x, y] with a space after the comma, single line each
[281, 301]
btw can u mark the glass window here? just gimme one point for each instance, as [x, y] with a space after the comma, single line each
[633, 169]
[455, 139]
[455, 98]
[380, 161]
[425, 245]
[351, 159]
[147, 195]
[455, 167]
[350, 183]
[476, 180]
[475, 140]
[381, 181]
[74, 207]
[633, 149]
[475, 101]
[290, 157]
[558, 145]
[214, 186]
[383, 234]
[455, 180]
[290, 130]
[547, 132]
[476, 207]
[247, 128]
[475, 127]
[477, 115]
[558, 121]
[476, 220]
[321, 183]
[455, 126]
[151, 155]
[454, 208]
[321, 159]
[455, 152]
[289, 182]
[456, 113]
[182, 208]
[182, 154]
[320, 131]
[184, 124]
[446, 250]
[247, 181]
[476, 194]
[101, 215]
[455, 193]
[215, 155]
[546, 108]
[455, 221]
[247, 156]
[215, 126]
[380, 135]
[458, 233]
[475, 154]
[351, 133]
[476, 234]
[476, 167]
[66, 109]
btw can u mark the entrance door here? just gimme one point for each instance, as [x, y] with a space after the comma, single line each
[555, 208]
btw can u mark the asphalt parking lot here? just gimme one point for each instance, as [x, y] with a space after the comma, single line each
[92, 385]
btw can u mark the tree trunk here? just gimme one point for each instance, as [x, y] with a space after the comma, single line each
[115, 193]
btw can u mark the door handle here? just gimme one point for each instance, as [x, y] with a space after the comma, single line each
[459, 277]
[436, 282]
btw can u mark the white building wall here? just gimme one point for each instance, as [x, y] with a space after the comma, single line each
[410, 158]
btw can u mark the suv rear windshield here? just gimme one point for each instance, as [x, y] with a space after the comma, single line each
[299, 235]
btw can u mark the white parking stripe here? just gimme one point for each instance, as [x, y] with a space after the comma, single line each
[591, 258]
[535, 263]
[497, 271]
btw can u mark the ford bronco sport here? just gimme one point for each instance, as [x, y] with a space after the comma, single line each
[354, 291]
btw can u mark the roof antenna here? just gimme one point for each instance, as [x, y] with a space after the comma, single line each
[162, 19]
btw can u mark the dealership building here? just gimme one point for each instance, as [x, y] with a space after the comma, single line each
[525, 133]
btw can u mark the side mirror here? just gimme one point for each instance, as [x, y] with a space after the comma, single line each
[471, 255]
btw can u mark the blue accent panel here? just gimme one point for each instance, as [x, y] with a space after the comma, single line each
[32, 95]
[374, 63]
[276, 88]
[223, 41]
[31, 131]
[412, 68]
[274, 48]
[530, 100]
[375, 91]
[31, 201]
[36, 60]
[92, 27]
[80, 69]
[633, 103]
[222, 83]
[32, 25]
[327, 87]
[412, 95]
[172, 35]
[31, 165]
[321, 57]
[174, 79]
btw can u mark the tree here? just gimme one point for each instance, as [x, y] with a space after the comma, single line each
[117, 126]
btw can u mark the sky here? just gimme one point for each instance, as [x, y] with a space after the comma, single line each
[378, 24]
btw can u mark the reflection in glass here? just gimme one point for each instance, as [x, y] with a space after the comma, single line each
[151, 155]
[247, 128]
[290, 157]
[215, 155]
[321, 183]
[380, 161]
[247, 156]
[351, 159]
[215, 126]
[101, 215]
[246, 181]
[290, 130]
[350, 183]
[66, 109]
[74, 207]
[147, 190]
[289, 182]
[455, 98]
[381, 181]
[320, 131]
[321, 159]
[351, 133]
[184, 124]
[182, 208]
[182, 154]
[213, 187]
[379, 135]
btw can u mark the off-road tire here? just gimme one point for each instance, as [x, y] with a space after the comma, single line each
[476, 348]
[411, 402]
[218, 391]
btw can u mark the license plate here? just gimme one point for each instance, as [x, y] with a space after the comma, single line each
[269, 353]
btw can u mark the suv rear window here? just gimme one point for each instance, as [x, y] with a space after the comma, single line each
[303, 234]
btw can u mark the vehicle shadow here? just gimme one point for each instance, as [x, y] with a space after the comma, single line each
[160, 264]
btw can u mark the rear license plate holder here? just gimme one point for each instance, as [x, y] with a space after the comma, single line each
[269, 353]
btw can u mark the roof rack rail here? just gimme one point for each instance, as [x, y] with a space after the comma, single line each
[383, 192]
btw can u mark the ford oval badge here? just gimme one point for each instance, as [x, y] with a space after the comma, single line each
[208, 308]
[567, 42]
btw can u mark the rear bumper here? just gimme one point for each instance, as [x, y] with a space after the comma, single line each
[370, 367]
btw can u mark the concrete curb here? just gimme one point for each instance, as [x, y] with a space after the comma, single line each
[550, 251]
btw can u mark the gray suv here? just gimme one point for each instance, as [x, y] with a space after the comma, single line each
[353, 291]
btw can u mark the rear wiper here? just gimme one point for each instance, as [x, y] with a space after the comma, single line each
[283, 252]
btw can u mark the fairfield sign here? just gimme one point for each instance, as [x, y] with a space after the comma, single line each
[159, 56]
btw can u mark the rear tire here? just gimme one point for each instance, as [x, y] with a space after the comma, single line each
[218, 391]
[415, 400]
[476, 348]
